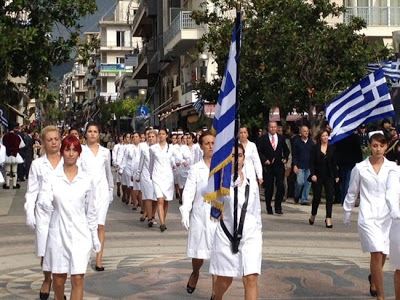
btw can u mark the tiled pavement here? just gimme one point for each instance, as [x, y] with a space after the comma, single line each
[299, 261]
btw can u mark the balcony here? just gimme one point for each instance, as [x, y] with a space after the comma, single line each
[182, 34]
[374, 16]
[141, 25]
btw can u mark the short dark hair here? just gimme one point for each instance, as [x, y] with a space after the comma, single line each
[379, 137]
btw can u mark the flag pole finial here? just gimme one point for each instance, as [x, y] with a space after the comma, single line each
[239, 5]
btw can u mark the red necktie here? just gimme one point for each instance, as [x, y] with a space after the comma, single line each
[273, 142]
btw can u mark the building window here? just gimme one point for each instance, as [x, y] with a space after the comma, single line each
[120, 38]
[120, 60]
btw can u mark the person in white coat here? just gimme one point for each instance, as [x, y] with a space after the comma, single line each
[143, 177]
[114, 157]
[161, 165]
[96, 161]
[246, 263]
[69, 195]
[2, 160]
[252, 164]
[196, 213]
[42, 169]
[393, 202]
[125, 182]
[136, 195]
[368, 181]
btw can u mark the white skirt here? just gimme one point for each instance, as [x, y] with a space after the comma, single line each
[164, 192]
[126, 178]
[41, 230]
[395, 245]
[247, 261]
[146, 185]
[374, 235]
[135, 185]
[14, 159]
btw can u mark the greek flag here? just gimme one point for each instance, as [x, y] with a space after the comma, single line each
[199, 106]
[3, 120]
[224, 127]
[391, 68]
[367, 101]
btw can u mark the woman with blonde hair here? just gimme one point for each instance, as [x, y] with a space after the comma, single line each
[38, 219]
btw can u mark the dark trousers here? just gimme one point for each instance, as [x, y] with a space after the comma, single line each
[328, 184]
[345, 173]
[275, 175]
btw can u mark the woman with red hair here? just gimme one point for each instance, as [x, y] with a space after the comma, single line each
[69, 195]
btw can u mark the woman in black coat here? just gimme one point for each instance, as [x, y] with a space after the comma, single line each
[323, 172]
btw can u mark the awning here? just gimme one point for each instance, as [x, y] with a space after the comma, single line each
[17, 111]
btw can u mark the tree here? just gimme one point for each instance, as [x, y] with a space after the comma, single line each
[290, 57]
[28, 47]
[119, 108]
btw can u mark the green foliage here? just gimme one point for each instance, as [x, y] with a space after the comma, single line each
[27, 45]
[291, 58]
[120, 108]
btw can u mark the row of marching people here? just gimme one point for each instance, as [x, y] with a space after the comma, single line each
[150, 171]
[69, 191]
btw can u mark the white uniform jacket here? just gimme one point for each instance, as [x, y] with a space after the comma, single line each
[252, 163]
[160, 168]
[201, 229]
[114, 154]
[374, 219]
[143, 173]
[73, 224]
[248, 260]
[99, 168]
[41, 170]
[393, 202]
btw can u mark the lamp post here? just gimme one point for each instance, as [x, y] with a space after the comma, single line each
[203, 58]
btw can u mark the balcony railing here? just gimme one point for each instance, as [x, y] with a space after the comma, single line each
[374, 16]
[182, 21]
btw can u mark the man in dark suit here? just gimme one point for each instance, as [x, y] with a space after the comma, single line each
[274, 154]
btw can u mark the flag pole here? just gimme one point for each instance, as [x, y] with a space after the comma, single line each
[236, 239]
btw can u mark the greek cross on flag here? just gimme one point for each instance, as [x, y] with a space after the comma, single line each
[365, 102]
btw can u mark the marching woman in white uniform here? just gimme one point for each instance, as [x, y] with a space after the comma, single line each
[393, 201]
[42, 169]
[252, 164]
[246, 263]
[196, 213]
[69, 195]
[125, 181]
[114, 156]
[143, 176]
[368, 180]
[161, 165]
[135, 192]
[96, 161]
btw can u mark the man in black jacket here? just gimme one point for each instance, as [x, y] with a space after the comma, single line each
[273, 153]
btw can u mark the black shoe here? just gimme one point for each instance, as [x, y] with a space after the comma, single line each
[16, 187]
[6, 187]
[269, 211]
[189, 288]
[328, 226]
[305, 203]
[310, 222]
[118, 193]
[177, 196]
[296, 200]
[279, 212]
[99, 269]
[45, 296]
[163, 227]
[142, 219]
[150, 223]
[371, 291]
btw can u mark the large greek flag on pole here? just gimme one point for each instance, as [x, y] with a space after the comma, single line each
[367, 101]
[224, 128]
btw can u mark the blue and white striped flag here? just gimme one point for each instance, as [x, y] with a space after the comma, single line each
[3, 119]
[367, 101]
[391, 68]
[199, 106]
[224, 127]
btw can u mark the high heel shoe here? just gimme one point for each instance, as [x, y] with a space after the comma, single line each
[310, 222]
[371, 291]
[328, 226]
[45, 296]
[190, 289]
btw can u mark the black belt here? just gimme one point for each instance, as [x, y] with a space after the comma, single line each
[235, 239]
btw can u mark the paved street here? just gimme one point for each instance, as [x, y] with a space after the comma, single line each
[299, 261]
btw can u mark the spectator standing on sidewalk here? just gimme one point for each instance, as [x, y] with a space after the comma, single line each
[301, 165]
[392, 153]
